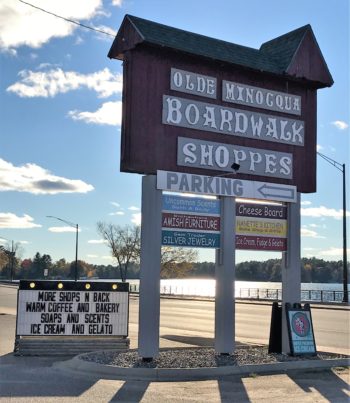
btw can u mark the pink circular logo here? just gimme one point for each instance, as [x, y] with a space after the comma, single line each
[300, 324]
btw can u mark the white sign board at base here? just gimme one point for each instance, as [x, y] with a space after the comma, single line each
[220, 186]
[72, 313]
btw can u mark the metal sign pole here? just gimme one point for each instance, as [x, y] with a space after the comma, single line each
[225, 280]
[291, 271]
[149, 308]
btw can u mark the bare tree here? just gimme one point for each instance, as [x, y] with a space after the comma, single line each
[3, 257]
[124, 243]
[176, 262]
[9, 257]
[125, 246]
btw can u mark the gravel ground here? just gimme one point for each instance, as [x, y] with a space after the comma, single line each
[196, 358]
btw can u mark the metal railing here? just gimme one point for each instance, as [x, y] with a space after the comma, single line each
[264, 294]
[249, 293]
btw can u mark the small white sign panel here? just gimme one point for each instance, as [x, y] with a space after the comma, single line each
[220, 186]
[71, 313]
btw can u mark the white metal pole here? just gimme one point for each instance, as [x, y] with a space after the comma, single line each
[149, 301]
[291, 270]
[225, 280]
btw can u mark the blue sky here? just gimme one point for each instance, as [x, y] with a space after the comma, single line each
[60, 109]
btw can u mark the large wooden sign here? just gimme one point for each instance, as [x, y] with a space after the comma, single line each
[67, 308]
[193, 104]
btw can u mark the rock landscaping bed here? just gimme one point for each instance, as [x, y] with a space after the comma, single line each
[198, 358]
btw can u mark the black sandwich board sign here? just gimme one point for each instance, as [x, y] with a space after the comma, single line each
[300, 330]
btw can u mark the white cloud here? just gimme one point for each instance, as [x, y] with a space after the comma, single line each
[319, 147]
[79, 40]
[34, 179]
[92, 256]
[136, 219]
[9, 52]
[318, 226]
[110, 113]
[308, 233]
[57, 81]
[305, 203]
[117, 3]
[333, 252]
[322, 212]
[45, 66]
[63, 229]
[108, 30]
[339, 124]
[119, 211]
[133, 208]
[97, 241]
[10, 220]
[21, 24]
[107, 257]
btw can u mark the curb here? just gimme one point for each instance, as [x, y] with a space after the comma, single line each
[86, 368]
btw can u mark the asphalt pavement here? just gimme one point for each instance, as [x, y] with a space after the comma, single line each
[43, 379]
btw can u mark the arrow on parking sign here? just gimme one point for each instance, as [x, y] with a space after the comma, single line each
[287, 193]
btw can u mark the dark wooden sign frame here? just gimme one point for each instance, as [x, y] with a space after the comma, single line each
[290, 64]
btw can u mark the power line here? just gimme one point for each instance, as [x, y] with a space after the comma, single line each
[67, 19]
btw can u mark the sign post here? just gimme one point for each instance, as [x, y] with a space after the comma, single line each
[225, 280]
[149, 307]
[291, 272]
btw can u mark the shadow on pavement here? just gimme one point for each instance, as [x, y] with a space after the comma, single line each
[229, 384]
[327, 383]
[35, 381]
[131, 391]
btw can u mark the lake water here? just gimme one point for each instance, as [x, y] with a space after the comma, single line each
[246, 289]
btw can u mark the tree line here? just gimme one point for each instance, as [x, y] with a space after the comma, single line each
[43, 267]
[124, 244]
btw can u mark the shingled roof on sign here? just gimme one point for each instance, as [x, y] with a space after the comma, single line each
[283, 48]
[298, 55]
[289, 54]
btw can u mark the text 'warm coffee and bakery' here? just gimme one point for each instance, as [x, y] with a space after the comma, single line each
[46, 311]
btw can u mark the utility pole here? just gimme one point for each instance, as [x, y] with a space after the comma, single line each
[76, 226]
[341, 168]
